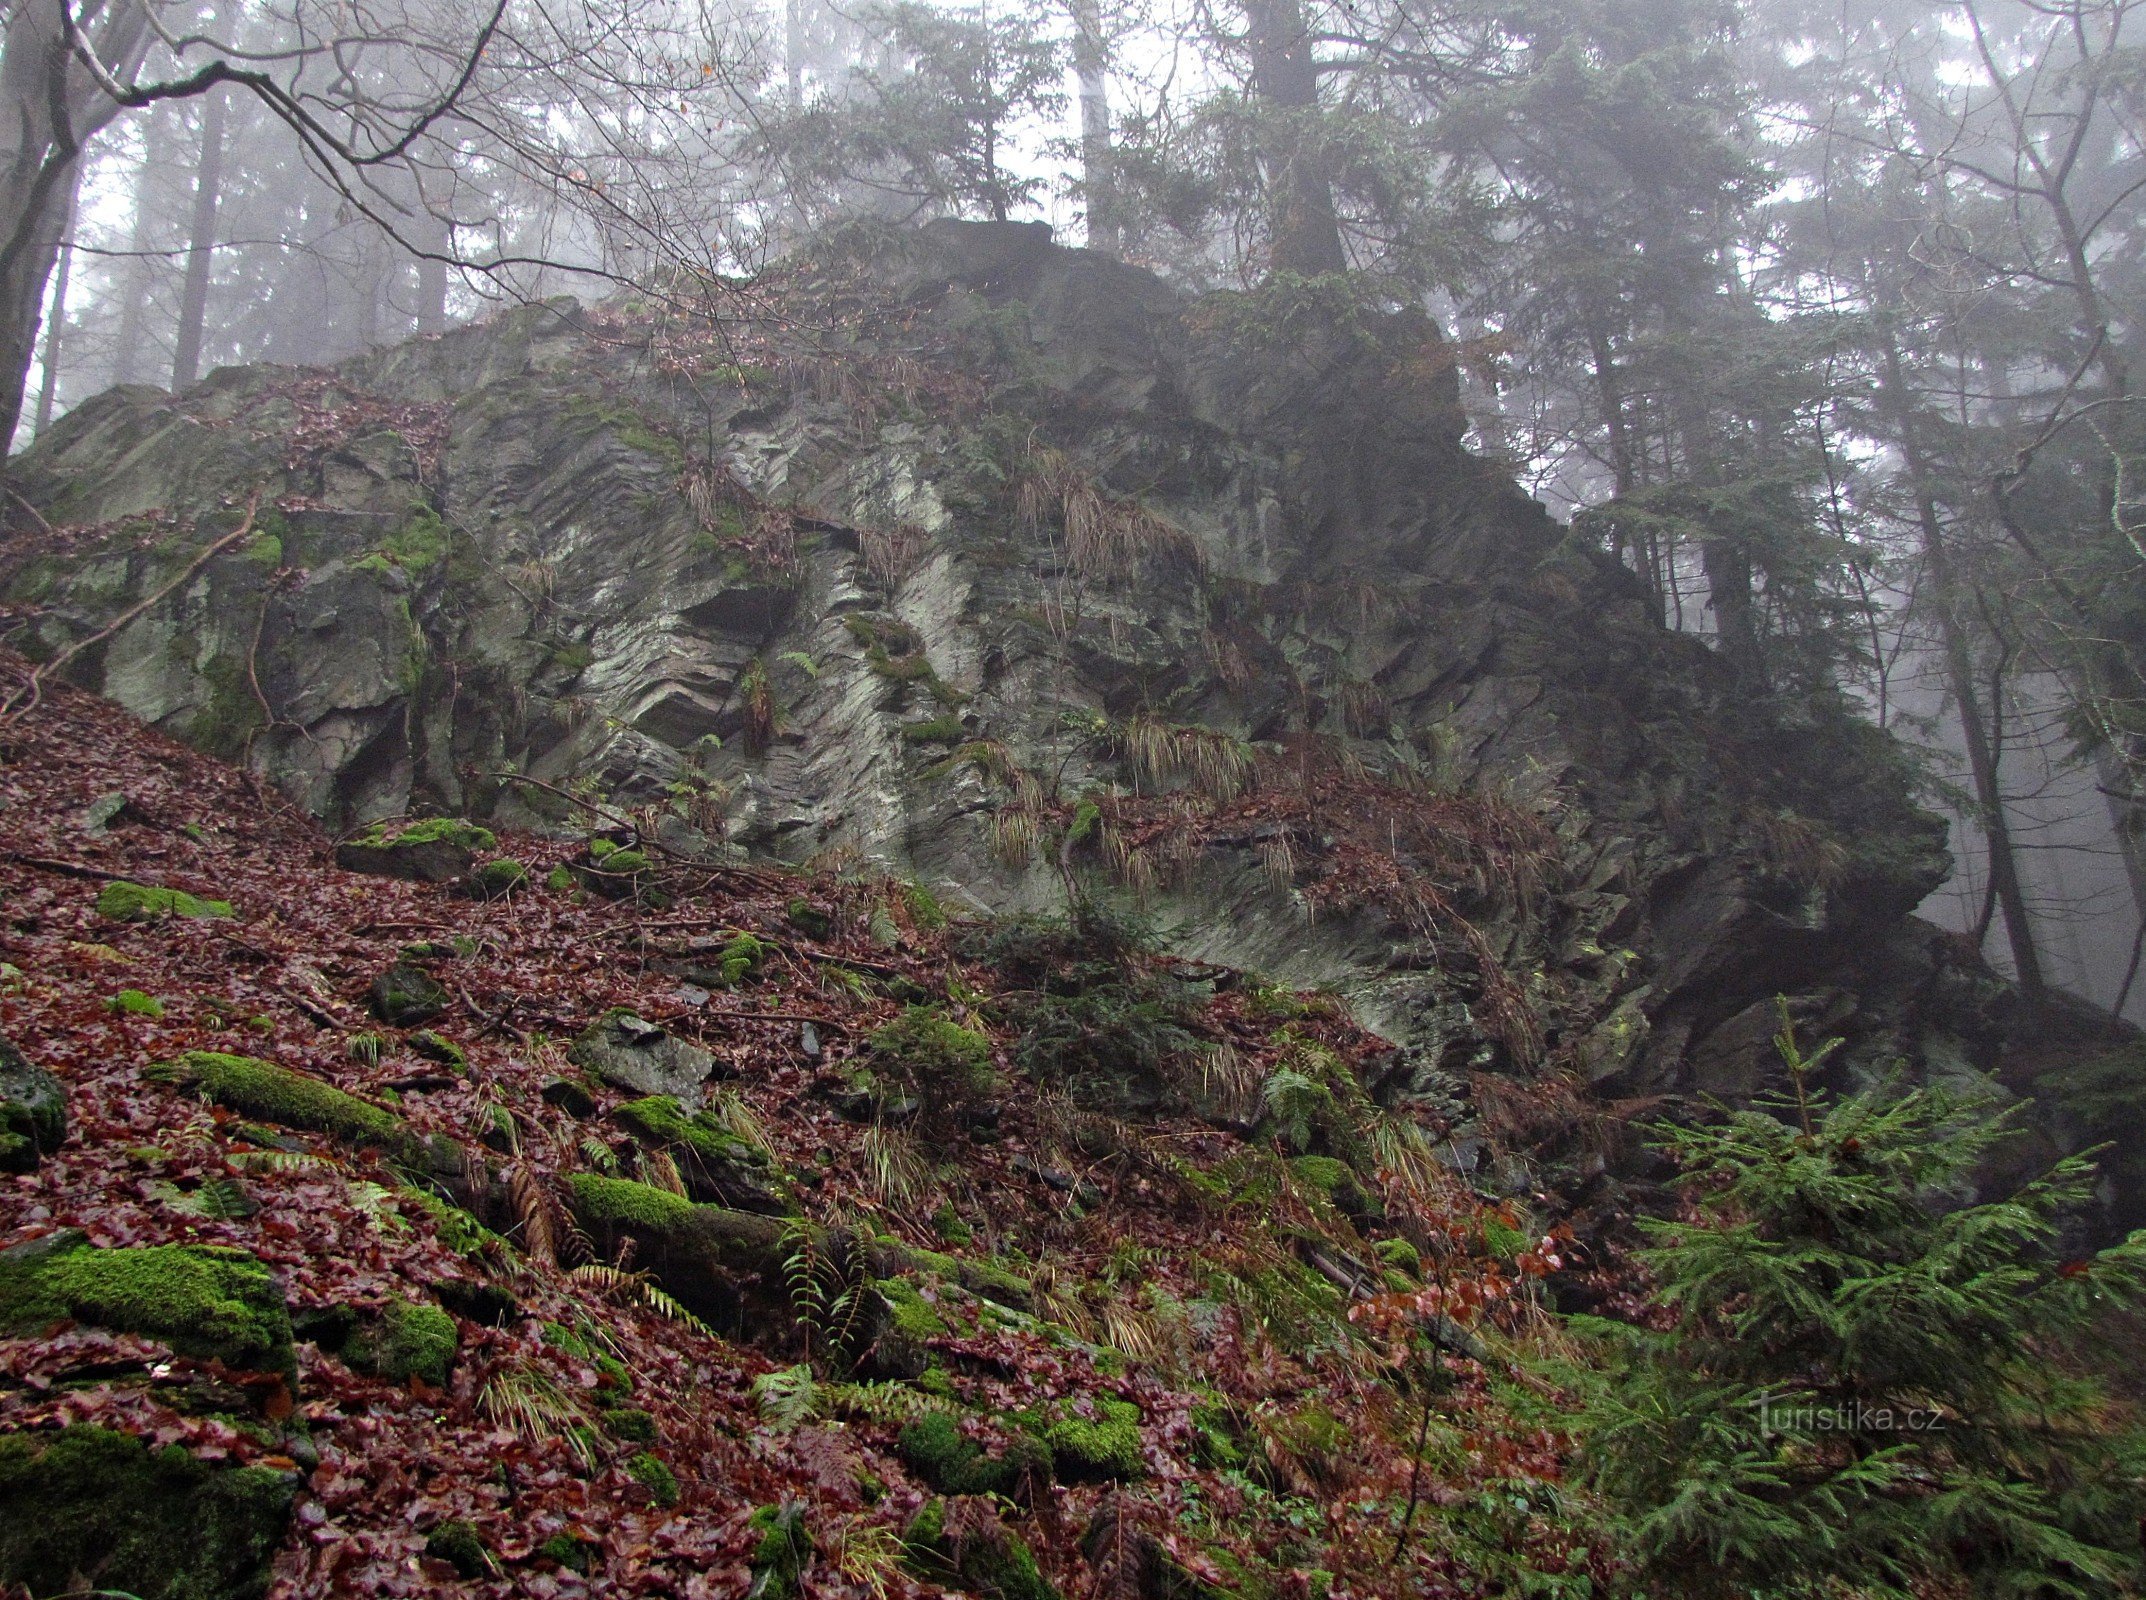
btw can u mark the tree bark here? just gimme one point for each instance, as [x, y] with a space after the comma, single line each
[1285, 80]
[49, 107]
[1091, 61]
[56, 323]
[1982, 756]
[200, 245]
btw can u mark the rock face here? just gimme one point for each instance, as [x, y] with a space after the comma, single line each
[1003, 566]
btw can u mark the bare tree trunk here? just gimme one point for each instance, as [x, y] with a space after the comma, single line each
[1982, 755]
[1091, 61]
[49, 106]
[137, 276]
[1285, 78]
[201, 244]
[56, 321]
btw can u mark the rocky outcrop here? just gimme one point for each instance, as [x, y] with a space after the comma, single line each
[1004, 567]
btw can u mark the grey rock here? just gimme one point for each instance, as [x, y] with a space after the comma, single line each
[33, 1111]
[629, 1052]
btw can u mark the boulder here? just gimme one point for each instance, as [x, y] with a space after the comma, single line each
[629, 1052]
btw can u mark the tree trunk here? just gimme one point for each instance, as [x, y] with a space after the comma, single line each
[1285, 80]
[49, 106]
[1982, 755]
[138, 276]
[56, 323]
[1091, 61]
[200, 245]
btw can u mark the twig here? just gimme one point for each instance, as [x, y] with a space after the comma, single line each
[18, 707]
[72, 869]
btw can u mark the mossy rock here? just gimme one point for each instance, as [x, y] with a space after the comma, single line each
[965, 1544]
[570, 1551]
[33, 1111]
[628, 1052]
[437, 1047]
[407, 996]
[784, 1546]
[207, 1301]
[648, 1470]
[498, 878]
[622, 1203]
[716, 1164]
[1093, 1440]
[438, 850]
[1333, 1179]
[905, 1323]
[403, 1340]
[929, 1052]
[87, 1505]
[629, 1423]
[462, 1547]
[934, 1447]
[141, 902]
[809, 919]
[255, 1088]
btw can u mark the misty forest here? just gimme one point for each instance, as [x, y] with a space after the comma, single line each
[1073, 799]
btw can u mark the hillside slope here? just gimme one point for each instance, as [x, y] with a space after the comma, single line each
[391, 1312]
[1006, 568]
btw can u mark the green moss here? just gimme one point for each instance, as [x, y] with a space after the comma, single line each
[141, 902]
[943, 729]
[809, 920]
[274, 1094]
[433, 830]
[660, 1120]
[651, 1474]
[1104, 1445]
[418, 546]
[405, 1340]
[263, 550]
[629, 1423]
[913, 1318]
[134, 1003]
[559, 880]
[932, 1053]
[202, 1300]
[784, 1546]
[88, 1503]
[620, 1202]
[438, 1047]
[495, 878]
[936, 1450]
[462, 1547]
[741, 957]
[1400, 1255]
[991, 1561]
[570, 1551]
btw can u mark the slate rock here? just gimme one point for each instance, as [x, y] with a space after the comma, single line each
[629, 1052]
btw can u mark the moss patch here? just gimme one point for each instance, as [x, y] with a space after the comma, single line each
[202, 1300]
[462, 1547]
[90, 1503]
[405, 1340]
[620, 1202]
[1099, 1446]
[498, 877]
[141, 902]
[780, 1555]
[274, 1094]
[970, 1547]
[650, 1473]
[933, 1054]
[936, 1450]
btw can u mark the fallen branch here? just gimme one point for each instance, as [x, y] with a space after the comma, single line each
[25, 699]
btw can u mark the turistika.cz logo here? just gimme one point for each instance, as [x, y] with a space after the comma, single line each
[1852, 1417]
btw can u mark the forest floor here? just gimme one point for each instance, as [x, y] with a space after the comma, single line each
[1215, 1312]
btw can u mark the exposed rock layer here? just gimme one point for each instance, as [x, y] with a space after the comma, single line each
[974, 517]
